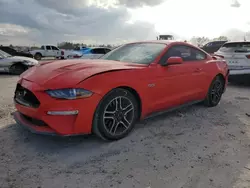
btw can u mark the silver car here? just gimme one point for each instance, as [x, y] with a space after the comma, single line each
[15, 64]
[237, 56]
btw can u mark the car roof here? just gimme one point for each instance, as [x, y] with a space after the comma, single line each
[218, 41]
[48, 45]
[167, 42]
[232, 42]
[6, 47]
[98, 47]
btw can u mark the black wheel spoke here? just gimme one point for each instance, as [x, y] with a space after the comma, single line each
[128, 109]
[216, 92]
[114, 127]
[125, 122]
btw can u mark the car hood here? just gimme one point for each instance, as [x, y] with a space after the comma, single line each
[68, 73]
[22, 59]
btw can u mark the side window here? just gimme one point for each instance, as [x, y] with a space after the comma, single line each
[187, 53]
[98, 51]
[107, 50]
[93, 51]
[209, 44]
[102, 51]
[54, 48]
[48, 47]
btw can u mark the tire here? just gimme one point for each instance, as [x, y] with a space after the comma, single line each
[215, 92]
[112, 122]
[38, 56]
[17, 69]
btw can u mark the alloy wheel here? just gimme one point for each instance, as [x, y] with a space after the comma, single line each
[118, 115]
[216, 91]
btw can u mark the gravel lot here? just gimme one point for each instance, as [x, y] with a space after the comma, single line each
[189, 148]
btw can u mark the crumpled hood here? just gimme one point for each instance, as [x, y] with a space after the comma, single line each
[68, 73]
[21, 58]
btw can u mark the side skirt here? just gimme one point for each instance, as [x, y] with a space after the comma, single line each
[154, 114]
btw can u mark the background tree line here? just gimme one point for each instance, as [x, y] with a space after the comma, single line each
[77, 46]
[198, 41]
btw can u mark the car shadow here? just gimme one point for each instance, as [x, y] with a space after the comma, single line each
[5, 75]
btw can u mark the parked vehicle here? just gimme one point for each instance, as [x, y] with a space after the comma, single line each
[15, 64]
[89, 53]
[48, 51]
[237, 56]
[212, 47]
[165, 37]
[13, 52]
[107, 96]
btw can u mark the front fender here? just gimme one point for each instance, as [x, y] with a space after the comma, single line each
[101, 84]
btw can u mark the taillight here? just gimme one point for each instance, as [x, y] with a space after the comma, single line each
[248, 56]
[221, 56]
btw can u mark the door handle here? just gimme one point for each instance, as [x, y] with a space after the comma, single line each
[198, 70]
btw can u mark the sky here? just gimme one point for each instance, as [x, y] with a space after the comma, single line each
[36, 22]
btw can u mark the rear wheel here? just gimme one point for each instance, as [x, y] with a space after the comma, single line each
[38, 56]
[116, 115]
[17, 69]
[215, 92]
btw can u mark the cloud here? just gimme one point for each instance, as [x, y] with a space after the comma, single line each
[138, 3]
[235, 4]
[236, 34]
[48, 21]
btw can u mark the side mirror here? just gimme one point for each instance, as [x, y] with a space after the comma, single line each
[174, 61]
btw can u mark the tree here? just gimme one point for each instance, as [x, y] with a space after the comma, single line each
[199, 41]
[221, 38]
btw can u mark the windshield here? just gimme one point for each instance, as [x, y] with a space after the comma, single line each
[235, 47]
[4, 54]
[142, 53]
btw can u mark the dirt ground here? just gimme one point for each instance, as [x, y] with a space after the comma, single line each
[192, 147]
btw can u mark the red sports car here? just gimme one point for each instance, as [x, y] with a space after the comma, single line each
[107, 96]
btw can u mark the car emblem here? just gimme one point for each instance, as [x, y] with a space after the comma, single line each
[151, 85]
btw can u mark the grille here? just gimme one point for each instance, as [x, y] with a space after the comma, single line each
[25, 97]
[34, 121]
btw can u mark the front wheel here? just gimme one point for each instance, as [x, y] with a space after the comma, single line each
[116, 115]
[17, 69]
[215, 92]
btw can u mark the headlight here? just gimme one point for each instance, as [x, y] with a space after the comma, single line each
[69, 93]
[28, 63]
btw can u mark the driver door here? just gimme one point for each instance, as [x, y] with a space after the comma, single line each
[48, 51]
[181, 83]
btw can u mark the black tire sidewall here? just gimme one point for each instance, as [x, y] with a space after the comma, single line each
[38, 56]
[209, 101]
[98, 122]
[13, 71]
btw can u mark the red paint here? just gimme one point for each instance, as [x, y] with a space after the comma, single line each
[173, 85]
